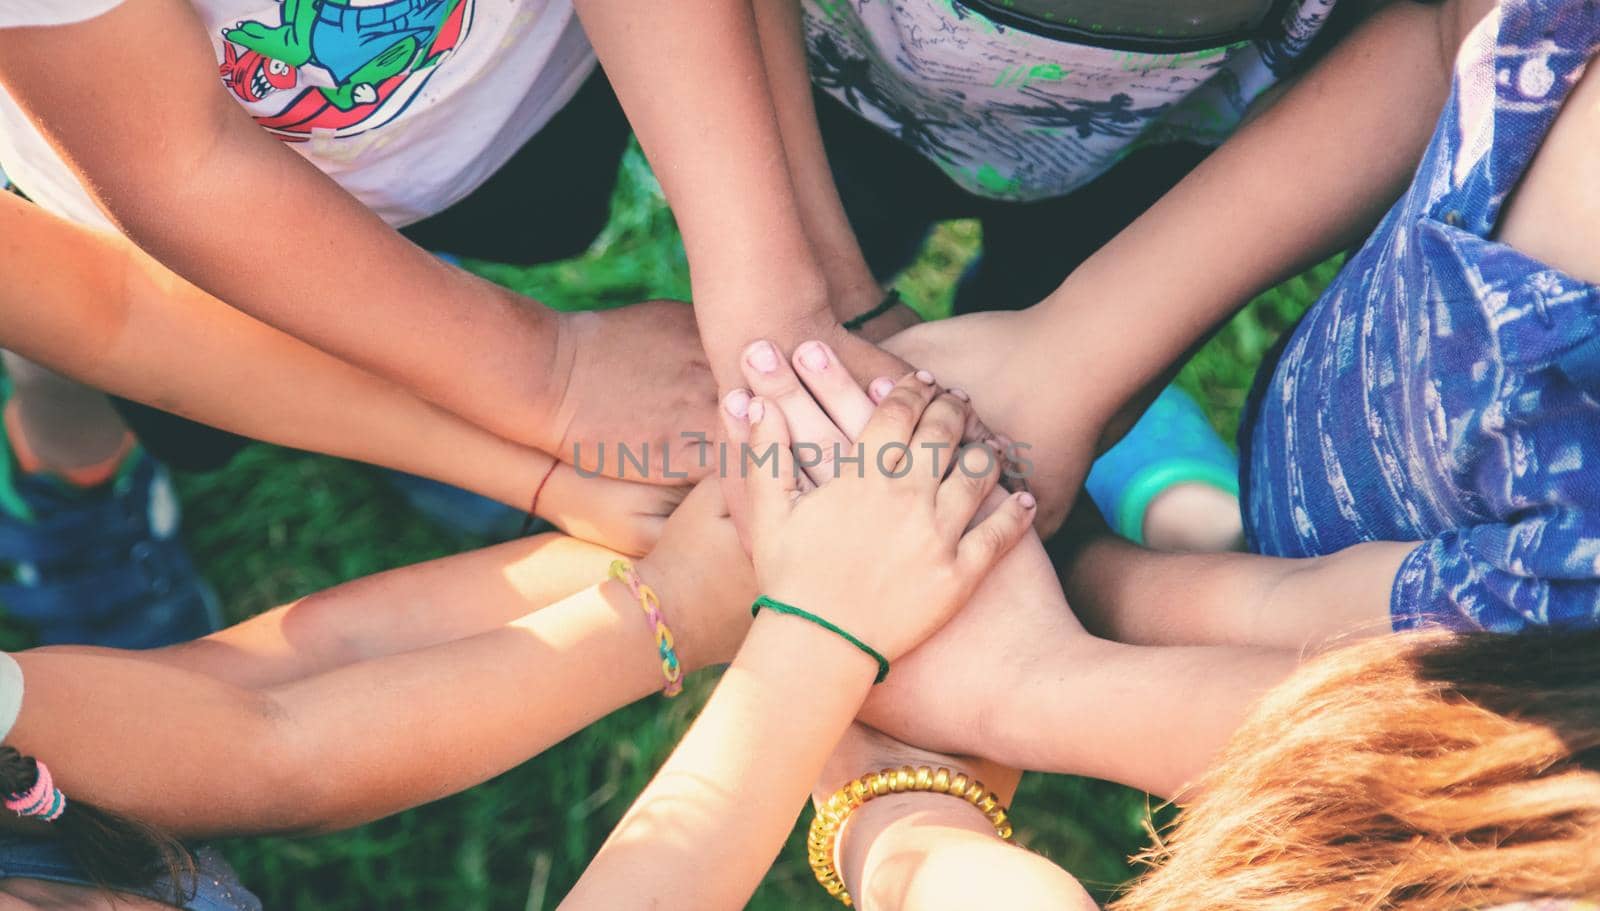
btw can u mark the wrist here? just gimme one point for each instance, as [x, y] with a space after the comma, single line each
[1050, 331]
[547, 420]
[880, 831]
[696, 643]
[791, 645]
[886, 316]
[786, 310]
[849, 299]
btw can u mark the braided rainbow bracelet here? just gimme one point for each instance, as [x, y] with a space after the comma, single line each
[622, 571]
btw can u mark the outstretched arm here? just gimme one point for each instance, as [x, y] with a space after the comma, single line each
[109, 316]
[381, 694]
[691, 76]
[1282, 194]
[189, 176]
[1127, 593]
[201, 757]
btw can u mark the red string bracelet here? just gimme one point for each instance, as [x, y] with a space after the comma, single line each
[533, 506]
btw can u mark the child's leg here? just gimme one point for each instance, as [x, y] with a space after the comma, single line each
[1194, 518]
[69, 428]
[82, 510]
[1170, 483]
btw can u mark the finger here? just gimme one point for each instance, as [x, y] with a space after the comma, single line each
[976, 472]
[938, 434]
[983, 546]
[887, 436]
[734, 458]
[735, 437]
[879, 389]
[844, 401]
[817, 443]
[768, 466]
[975, 431]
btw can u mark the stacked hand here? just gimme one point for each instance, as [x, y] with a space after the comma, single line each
[889, 552]
[652, 350]
[947, 693]
[1057, 428]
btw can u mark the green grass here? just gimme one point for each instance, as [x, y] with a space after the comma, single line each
[276, 525]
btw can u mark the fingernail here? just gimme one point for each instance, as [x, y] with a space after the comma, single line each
[737, 402]
[961, 394]
[1027, 500]
[993, 443]
[881, 387]
[925, 377]
[763, 357]
[758, 410]
[813, 356]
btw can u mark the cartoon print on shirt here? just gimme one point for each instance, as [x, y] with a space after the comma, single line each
[377, 57]
[252, 76]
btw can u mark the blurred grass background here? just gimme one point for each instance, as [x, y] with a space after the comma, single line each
[276, 525]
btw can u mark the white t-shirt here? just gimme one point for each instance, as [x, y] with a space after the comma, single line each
[50, 12]
[10, 693]
[1016, 113]
[408, 104]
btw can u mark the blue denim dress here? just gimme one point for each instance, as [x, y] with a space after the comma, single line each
[1446, 388]
[215, 888]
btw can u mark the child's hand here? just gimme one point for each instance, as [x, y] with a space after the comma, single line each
[635, 377]
[887, 558]
[955, 692]
[626, 516]
[703, 577]
[946, 693]
[1022, 395]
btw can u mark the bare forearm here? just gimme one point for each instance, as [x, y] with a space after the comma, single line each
[721, 161]
[1284, 193]
[202, 757]
[851, 287]
[1148, 717]
[401, 610]
[118, 321]
[738, 778]
[930, 853]
[1139, 596]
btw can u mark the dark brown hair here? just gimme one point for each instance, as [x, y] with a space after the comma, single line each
[1417, 772]
[112, 851]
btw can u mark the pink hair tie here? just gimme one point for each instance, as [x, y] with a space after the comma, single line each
[43, 801]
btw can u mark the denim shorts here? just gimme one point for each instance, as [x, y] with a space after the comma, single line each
[217, 887]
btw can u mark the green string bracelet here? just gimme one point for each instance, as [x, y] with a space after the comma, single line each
[791, 610]
[890, 301]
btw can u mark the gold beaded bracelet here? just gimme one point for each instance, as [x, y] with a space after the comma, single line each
[830, 818]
